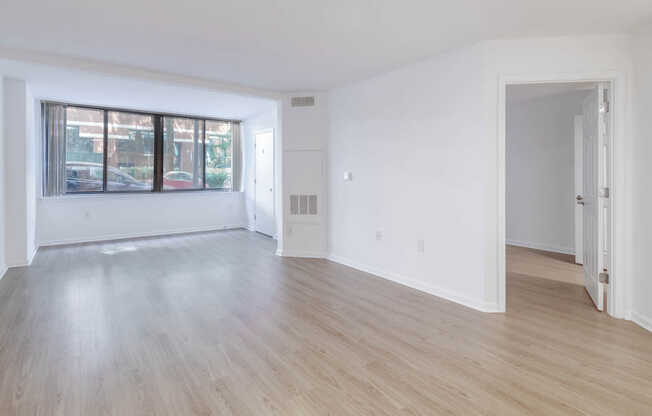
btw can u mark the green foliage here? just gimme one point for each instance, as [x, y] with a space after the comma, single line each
[216, 179]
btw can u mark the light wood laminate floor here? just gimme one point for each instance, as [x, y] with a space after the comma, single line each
[215, 324]
[545, 264]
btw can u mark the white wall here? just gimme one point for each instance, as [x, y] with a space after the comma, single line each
[642, 183]
[540, 191]
[415, 142]
[82, 218]
[265, 121]
[423, 145]
[86, 218]
[305, 136]
[3, 197]
[19, 161]
[91, 218]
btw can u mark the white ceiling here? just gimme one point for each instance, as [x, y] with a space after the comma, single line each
[288, 45]
[82, 87]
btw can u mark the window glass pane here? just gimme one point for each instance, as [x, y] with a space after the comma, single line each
[84, 149]
[130, 153]
[218, 155]
[183, 153]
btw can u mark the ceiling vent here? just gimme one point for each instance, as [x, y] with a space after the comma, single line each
[303, 101]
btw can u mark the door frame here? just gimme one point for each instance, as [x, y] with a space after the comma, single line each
[616, 304]
[578, 148]
[256, 133]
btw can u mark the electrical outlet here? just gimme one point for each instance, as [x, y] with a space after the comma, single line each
[379, 235]
[421, 246]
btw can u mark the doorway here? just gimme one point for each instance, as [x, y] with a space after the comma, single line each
[264, 183]
[557, 185]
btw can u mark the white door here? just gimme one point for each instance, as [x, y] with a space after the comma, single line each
[579, 183]
[594, 198]
[265, 183]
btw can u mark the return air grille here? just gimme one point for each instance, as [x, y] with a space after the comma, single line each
[303, 101]
[303, 205]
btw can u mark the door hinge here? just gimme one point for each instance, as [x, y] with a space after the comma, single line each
[254, 181]
[604, 278]
[603, 192]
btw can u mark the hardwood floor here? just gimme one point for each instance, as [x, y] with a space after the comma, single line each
[215, 324]
[545, 264]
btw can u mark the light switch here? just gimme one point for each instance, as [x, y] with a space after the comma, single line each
[348, 176]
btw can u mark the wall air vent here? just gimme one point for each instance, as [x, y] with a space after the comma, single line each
[303, 101]
[303, 205]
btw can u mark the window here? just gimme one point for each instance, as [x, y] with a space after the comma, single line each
[183, 153]
[90, 150]
[84, 150]
[218, 155]
[130, 152]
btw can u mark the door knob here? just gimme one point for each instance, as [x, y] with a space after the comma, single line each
[579, 199]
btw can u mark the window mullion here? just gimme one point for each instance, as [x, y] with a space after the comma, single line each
[158, 153]
[204, 154]
[106, 150]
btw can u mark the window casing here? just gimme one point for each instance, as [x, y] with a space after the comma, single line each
[111, 150]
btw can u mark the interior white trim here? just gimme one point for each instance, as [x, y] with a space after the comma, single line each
[642, 321]
[544, 247]
[301, 253]
[125, 236]
[452, 296]
[619, 142]
[3, 271]
[23, 262]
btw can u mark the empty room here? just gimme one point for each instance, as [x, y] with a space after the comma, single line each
[325, 208]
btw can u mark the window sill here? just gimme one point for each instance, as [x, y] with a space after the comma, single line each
[136, 195]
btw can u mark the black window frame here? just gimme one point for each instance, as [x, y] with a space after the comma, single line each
[157, 119]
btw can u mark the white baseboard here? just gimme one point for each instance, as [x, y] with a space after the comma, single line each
[642, 321]
[543, 247]
[418, 285]
[301, 253]
[31, 258]
[125, 236]
[251, 227]
[22, 262]
[3, 270]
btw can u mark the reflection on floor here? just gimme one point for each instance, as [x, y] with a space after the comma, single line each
[544, 264]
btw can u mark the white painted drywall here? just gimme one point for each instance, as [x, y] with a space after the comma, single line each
[641, 289]
[105, 217]
[72, 219]
[422, 144]
[540, 199]
[415, 142]
[87, 218]
[19, 161]
[264, 121]
[3, 196]
[305, 136]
